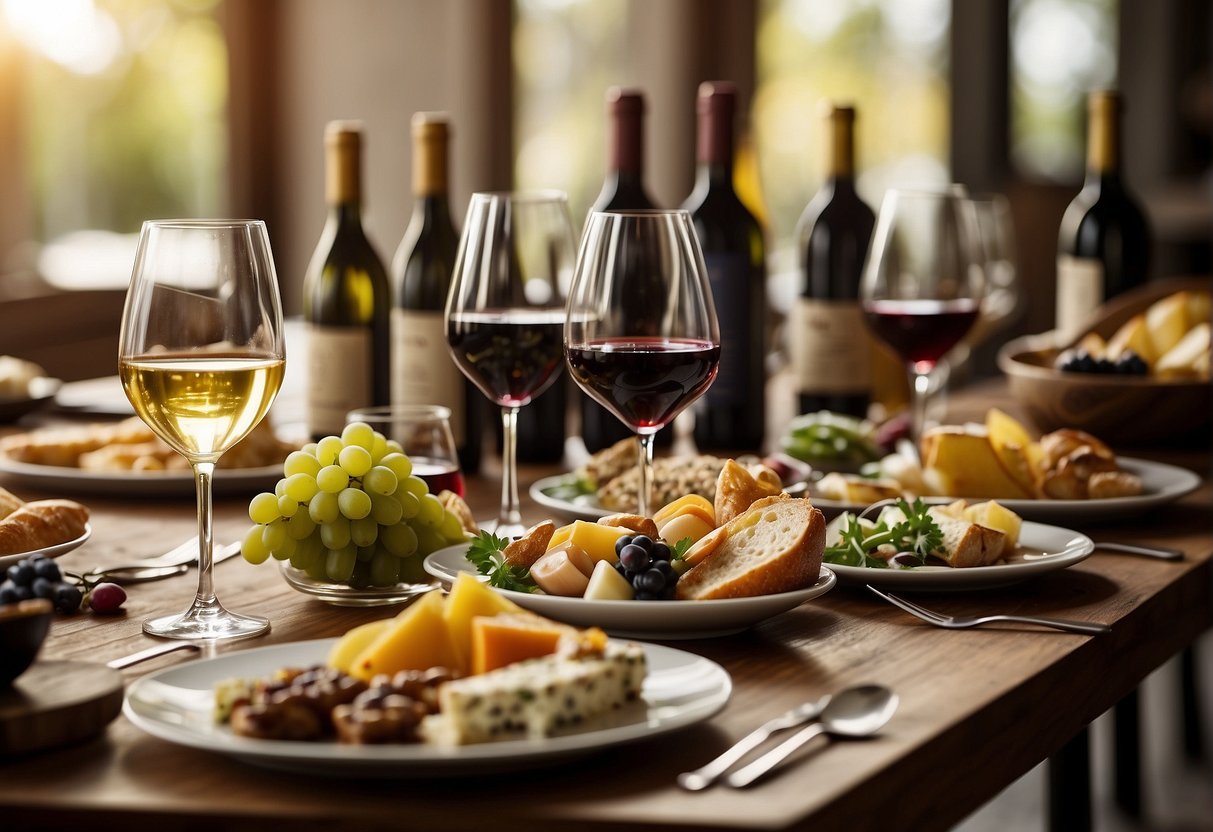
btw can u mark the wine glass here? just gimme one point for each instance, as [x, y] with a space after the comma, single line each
[923, 282]
[505, 311]
[201, 358]
[641, 336]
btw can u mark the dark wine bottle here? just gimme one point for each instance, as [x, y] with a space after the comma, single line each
[1103, 247]
[345, 297]
[622, 189]
[731, 415]
[829, 344]
[423, 371]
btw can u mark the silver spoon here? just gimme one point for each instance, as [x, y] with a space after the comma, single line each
[856, 712]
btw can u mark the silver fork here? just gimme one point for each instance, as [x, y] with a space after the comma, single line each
[173, 562]
[953, 622]
[708, 774]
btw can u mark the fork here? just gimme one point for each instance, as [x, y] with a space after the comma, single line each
[953, 622]
[173, 562]
[708, 774]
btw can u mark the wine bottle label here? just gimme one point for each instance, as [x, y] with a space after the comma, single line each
[338, 375]
[830, 348]
[729, 276]
[423, 371]
[1080, 291]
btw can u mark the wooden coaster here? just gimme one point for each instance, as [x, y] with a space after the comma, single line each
[57, 703]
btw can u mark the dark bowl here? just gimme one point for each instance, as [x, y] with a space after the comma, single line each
[23, 628]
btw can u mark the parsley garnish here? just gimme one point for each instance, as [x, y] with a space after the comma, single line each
[918, 534]
[485, 553]
[678, 550]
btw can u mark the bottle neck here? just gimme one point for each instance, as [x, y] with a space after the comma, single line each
[345, 213]
[432, 210]
[840, 162]
[1103, 137]
[625, 147]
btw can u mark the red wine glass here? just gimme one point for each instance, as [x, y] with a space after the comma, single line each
[641, 335]
[505, 311]
[923, 282]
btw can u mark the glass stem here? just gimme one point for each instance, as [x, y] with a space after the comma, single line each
[646, 474]
[920, 394]
[203, 474]
[510, 517]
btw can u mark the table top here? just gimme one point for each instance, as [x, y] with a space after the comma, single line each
[978, 708]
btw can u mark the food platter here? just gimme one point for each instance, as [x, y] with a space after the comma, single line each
[48, 551]
[175, 704]
[65, 480]
[644, 619]
[1163, 484]
[1042, 549]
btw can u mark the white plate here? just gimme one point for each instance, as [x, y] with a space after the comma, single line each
[48, 551]
[643, 619]
[1042, 549]
[61, 479]
[42, 392]
[1162, 484]
[175, 704]
[586, 507]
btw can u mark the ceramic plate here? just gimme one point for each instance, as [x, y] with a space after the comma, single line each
[1041, 549]
[41, 392]
[1163, 484]
[175, 704]
[49, 551]
[643, 619]
[585, 507]
[64, 480]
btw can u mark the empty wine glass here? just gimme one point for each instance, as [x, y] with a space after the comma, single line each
[201, 358]
[641, 335]
[505, 311]
[923, 282]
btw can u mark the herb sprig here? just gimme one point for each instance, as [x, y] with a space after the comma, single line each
[487, 554]
[917, 534]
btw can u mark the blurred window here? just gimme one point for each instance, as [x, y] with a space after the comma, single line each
[123, 105]
[1060, 50]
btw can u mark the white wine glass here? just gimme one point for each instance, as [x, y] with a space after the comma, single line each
[505, 311]
[641, 336]
[201, 358]
[923, 283]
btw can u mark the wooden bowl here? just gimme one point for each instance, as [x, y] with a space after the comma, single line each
[1121, 410]
[23, 628]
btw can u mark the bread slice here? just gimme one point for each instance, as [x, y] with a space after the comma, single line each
[776, 546]
[965, 543]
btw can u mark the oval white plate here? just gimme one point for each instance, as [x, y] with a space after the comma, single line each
[1162, 483]
[1048, 548]
[57, 478]
[176, 704]
[643, 619]
[48, 551]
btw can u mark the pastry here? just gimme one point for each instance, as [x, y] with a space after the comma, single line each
[40, 524]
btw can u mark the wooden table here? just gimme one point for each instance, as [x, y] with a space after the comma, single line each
[978, 708]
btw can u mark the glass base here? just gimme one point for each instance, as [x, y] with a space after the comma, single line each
[507, 530]
[207, 623]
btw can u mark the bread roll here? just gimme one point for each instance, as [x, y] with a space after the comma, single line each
[774, 547]
[9, 502]
[40, 524]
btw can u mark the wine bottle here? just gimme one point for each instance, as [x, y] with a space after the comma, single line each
[345, 297]
[731, 415]
[423, 371]
[622, 189]
[1103, 247]
[829, 344]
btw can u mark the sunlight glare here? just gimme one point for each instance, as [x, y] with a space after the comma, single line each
[72, 33]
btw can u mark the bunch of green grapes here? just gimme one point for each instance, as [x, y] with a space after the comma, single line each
[349, 509]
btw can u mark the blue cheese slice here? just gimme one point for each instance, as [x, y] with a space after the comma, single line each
[536, 698]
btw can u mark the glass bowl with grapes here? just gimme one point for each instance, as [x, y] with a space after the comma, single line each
[350, 522]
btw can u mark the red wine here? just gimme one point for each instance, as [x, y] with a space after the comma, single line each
[732, 413]
[921, 331]
[439, 474]
[830, 351]
[622, 189]
[645, 382]
[512, 355]
[1103, 247]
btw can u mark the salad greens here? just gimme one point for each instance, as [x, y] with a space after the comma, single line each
[917, 534]
[487, 554]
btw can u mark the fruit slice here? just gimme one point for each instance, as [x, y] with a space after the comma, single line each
[417, 639]
[1184, 359]
[505, 639]
[468, 599]
[350, 645]
[1016, 452]
[1166, 321]
[1132, 335]
[606, 584]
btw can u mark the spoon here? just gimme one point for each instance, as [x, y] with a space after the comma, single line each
[856, 712]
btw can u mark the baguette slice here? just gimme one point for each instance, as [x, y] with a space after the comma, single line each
[40, 524]
[774, 547]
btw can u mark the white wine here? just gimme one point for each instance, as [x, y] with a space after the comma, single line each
[345, 298]
[201, 403]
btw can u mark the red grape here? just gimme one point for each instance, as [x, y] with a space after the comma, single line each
[106, 598]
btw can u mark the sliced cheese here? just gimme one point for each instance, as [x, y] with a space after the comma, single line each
[513, 637]
[470, 598]
[417, 639]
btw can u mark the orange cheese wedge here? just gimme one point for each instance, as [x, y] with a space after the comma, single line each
[505, 639]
